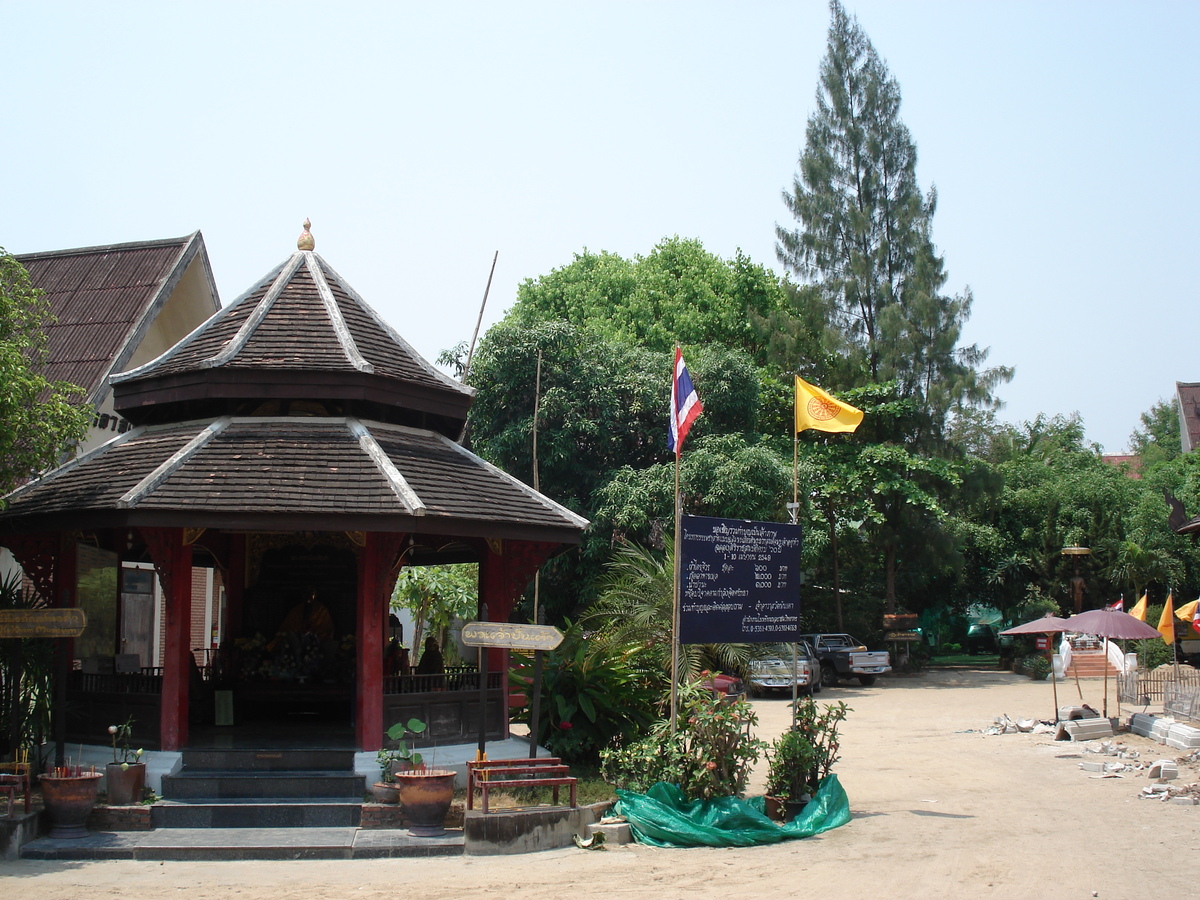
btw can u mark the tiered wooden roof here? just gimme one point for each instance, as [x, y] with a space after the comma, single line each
[294, 408]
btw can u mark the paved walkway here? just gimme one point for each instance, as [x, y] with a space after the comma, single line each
[247, 843]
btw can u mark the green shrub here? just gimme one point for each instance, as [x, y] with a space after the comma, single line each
[709, 755]
[1036, 667]
[821, 729]
[588, 698]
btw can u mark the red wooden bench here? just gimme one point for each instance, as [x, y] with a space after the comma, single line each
[544, 771]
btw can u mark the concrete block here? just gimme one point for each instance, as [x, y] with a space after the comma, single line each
[1141, 723]
[1071, 713]
[616, 833]
[1185, 801]
[1164, 770]
[1183, 737]
[1084, 730]
[1092, 765]
[508, 831]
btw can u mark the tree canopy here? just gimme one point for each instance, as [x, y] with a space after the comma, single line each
[41, 419]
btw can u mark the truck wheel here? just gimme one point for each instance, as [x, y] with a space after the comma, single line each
[866, 680]
[829, 676]
[814, 687]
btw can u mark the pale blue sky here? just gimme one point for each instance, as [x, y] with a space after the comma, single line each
[420, 138]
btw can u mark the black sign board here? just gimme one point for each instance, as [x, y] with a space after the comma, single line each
[739, 581]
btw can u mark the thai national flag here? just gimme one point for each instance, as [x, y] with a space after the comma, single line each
[685, 404]
[1119, 605]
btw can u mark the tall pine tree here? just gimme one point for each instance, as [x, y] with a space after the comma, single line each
[863, 240]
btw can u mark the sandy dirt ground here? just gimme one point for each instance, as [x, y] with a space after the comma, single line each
[939, 810]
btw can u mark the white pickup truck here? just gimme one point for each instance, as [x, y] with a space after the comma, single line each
[841, 656]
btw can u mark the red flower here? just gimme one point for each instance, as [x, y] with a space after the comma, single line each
[565, 726]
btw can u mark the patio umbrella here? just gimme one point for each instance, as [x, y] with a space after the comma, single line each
[1111, 623]
[1047, 624]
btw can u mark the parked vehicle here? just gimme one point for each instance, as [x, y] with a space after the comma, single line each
[981, 638]
[774, 672]
[728, 686]
[841, 656]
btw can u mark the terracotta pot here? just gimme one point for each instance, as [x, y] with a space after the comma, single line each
[385, 792]
[69, 800]
[426, 798]
[125, 783]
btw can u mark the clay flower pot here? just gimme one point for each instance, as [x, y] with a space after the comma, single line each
[125, 783]
[385, 792]
[69, 800]
[426, 798]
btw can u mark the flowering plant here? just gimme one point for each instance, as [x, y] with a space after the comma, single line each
[709, 755]
[122, 753]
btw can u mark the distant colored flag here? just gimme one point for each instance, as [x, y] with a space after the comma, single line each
[815, 409]
[1118, 605]
[1166, 622]
[1139, 609]
[1190, 613]
[685, 404]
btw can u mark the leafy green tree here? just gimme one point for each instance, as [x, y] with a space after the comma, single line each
[1158, 438]
[677, 294]
[437, 596]
[633, 616]
[40, 420]
[864, 238]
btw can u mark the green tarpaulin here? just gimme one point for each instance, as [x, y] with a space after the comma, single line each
[662, 817]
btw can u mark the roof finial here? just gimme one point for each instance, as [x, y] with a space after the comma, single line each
[306, 241]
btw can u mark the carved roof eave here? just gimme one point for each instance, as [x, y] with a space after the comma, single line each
[130, 397]
[97, 520]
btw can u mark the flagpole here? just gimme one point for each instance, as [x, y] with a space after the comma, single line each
[675, 603]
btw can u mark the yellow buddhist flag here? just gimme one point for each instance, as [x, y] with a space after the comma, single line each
[1166, 622]
[1139, 611]
[817, 410]
[1187, 612]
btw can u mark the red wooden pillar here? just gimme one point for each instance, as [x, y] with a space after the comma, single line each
[369, 633]
[173, 559]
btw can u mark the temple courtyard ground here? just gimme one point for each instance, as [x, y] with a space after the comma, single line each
[940, 809]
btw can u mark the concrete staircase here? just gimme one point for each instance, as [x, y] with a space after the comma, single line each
[298, 788]
[1090, 664]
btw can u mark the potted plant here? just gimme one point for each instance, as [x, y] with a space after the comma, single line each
[385, 790]
[68, 794]
[126, 774]
[790, 782]
[425, 794]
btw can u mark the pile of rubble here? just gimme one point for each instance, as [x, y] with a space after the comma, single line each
[1004, 725]
[1122, 761]
[1113, 759]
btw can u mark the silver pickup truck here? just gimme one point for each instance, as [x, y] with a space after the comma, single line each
[841, 656]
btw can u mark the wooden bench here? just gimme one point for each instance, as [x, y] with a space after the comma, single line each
[544, 771]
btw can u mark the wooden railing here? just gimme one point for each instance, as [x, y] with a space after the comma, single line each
[1170, 686]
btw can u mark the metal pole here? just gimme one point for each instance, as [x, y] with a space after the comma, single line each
[483, 673]
[535, 708]
[675, 604]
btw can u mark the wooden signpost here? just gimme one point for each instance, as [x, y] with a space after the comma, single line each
[511, 636]
[42, 623]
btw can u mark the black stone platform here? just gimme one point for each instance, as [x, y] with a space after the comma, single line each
[248, 787]
[246, 844]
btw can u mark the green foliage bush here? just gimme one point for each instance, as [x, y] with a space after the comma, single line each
[589, 697]
[709, 755]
